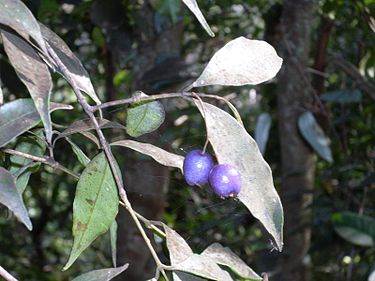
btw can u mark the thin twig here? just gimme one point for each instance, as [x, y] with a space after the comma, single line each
[204, 116]
[6, 275]
[45, 160]
[363, 82]
[89, 110]
[136, 99]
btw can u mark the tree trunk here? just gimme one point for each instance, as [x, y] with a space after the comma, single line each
[294, 94]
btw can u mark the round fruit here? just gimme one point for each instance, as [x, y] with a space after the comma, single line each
[197, 166]
[225, 180]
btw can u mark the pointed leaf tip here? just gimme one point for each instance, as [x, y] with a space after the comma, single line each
[33, 72]
[16, 15]
[10, 197]
[95, 205]
[315, 136]
[18, 116]
[102, 274]
[160, 155]
[234, 146]
[72, 63]
[194, 8]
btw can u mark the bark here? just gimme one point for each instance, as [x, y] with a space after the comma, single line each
[326, 25]
[298, 162]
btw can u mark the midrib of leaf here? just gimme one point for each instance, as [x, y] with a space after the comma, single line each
[143, 118]
[96, 201]
[20, 117]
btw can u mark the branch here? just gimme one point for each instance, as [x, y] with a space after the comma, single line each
[363, 83]
[136, 99]
[89, 110]
[45, 160]
[6, 275]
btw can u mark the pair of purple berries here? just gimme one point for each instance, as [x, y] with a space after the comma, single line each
[199, 168]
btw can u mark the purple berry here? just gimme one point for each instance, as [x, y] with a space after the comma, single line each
[225, 180]
[197, 167]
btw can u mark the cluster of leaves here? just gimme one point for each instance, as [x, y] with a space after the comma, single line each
[32, 49]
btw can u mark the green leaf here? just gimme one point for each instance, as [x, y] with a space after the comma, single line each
[224, 256]
[144, 118]
[193, 7]
[342, 96]
[113, 240]
[160, 155]
[10, 198]
[72, 63]
[262, 130]
[314, 135]
[95, 205]
[230, 67]
[354, 228]
[21, 167]
[33, 72]
[234, 146]
[101, 274]
[19, 116]
[82, 158]
[17, 16]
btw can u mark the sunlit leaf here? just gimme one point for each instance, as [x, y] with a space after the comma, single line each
[262, 130]
[17, 16]
[113, 240]
[10, 198]
[179, 251]
[21, 167]
[81, 156]
[72, 63]
[178, 248]
[160, 155]
[193, 7]
[18, 116]
[355, 228]
[314, 135]
[183, 276]
[101, 274]
[204, 267]
[372, 276]
[33, 72]
[240, 62]
[95, 205]
[144, 118]
[343, 96]
[1, 95]
[82, 126]
[183, 259]
[224, 256]
[234, 146]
